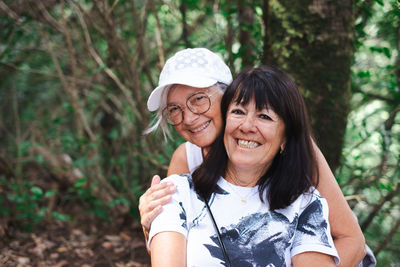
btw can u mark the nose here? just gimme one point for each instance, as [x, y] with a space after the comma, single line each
[189, 117]
[248, 124]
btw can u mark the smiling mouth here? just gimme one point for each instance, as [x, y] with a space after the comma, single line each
[202, 127]
[247, 144]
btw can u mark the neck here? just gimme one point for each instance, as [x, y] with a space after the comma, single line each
[242, 177]
[204, 151]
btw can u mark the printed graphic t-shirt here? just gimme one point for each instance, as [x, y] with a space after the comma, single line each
[252, 234]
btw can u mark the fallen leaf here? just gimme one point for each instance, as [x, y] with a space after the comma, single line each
[107, 245]
[119, 250]
[62, 249]
[61, 263]
[113, 238]
[23, 260]
[54, 256]
[125, 236]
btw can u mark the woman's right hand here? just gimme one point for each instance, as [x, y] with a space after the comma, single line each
[151, 202]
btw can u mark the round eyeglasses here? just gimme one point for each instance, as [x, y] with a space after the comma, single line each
[198, 103]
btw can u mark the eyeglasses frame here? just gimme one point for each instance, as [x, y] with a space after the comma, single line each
[209, 95]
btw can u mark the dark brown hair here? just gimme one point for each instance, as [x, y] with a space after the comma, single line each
[291, 173]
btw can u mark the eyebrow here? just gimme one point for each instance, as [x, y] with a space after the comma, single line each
[268, 108]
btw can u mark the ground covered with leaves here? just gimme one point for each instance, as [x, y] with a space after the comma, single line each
[85, 244]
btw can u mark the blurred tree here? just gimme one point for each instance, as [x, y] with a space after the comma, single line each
[371, 170]
[76, 76]
[314, 41]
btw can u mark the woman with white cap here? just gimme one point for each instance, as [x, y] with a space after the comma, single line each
[243, 206]
[188, 96]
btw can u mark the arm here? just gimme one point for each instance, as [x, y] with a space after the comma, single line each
[313, 259]
[167, 237]
[151, 202]
[348, 238]
[169, 249]
[178, 163]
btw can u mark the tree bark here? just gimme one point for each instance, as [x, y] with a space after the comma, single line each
[267, 54]
[316, 47]
[185, 30]
[246, 19]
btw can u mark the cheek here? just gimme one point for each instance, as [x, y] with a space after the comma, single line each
[216, 117]
[228, 132]
[179, 129]
[228, 143]
[271, 131]
[219, 125]
[228, 125]
[282, 134]
[215, 110]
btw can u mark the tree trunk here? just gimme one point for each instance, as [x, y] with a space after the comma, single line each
[314, 42]
[267, 54]
[246, 19]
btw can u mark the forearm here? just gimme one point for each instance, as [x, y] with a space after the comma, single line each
[150, 203]
[169, 250]
[351, 250]
[348, 237]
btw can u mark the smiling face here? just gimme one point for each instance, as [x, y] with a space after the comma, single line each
[199, 129]
[252, 137]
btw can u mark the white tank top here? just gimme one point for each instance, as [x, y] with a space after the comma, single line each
[194, 156]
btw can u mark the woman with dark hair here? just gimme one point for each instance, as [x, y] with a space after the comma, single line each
[252, 202]
[199, 74]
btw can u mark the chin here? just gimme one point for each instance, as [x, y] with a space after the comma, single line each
[203, 144]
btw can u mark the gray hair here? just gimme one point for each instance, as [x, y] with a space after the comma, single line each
[161, 120]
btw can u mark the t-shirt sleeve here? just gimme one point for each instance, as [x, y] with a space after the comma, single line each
[173, 217]
[313, 230]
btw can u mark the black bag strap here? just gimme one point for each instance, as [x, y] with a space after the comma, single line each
[228, 262]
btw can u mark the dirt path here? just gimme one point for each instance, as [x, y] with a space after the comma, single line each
[58, 244]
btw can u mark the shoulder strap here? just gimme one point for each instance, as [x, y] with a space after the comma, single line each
[228, 262]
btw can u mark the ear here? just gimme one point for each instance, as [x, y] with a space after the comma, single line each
[282, 146]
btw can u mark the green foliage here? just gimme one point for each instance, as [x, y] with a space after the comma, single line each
[371, 154]
[22, 202]
[65, 119]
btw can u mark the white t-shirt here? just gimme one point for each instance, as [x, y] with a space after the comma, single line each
[194, 156]
[252, 234]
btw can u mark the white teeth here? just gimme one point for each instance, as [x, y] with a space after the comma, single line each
[200, 128]
[247, 144]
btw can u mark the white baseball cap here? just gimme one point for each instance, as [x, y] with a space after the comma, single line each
[196, 67]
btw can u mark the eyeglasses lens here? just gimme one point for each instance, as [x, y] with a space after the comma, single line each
[174, 114]
[198, 103]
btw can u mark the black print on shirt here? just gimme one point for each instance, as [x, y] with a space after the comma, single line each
[203, 212]
[182, 215]
[312, 224]
[261, 239]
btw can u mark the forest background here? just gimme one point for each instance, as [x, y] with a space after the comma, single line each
[75, 77]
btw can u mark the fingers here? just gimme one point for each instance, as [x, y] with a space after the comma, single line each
[158, 202]
[158, 194]
[150, 203]
[161, 190]
[148, 218]
[150, 210]
[156, 180]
